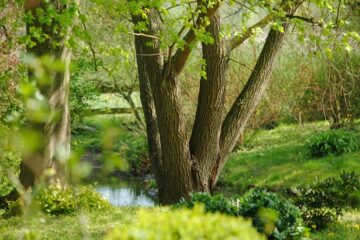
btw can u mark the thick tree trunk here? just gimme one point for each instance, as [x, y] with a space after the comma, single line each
[204, 142]
[174, 143]
[183, 165]
[172, 162]
[55, 133]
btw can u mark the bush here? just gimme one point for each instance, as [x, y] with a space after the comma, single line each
[58, 201]
[9, 158]
[335, 142]
[271, 215]
[277, 218]
[212, 204]
[185, 224]
[323, 202]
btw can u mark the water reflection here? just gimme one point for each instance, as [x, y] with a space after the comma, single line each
[125, 196]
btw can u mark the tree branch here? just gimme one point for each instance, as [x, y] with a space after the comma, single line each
[238, 40]
[181, 55]
[92, 49]
[305, 19]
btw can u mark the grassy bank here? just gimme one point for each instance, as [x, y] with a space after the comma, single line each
[279, 158]
[92, 225]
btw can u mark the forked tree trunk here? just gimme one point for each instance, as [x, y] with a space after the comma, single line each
[166, 125]
[54, 133]
[181, 164]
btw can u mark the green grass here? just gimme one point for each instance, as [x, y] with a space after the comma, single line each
[110, 100]
[94, 224]
[279, 158]
[348, 228]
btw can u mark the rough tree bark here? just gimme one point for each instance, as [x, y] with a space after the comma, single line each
[181, 164]
[55, 132]
[167, 121]
[204, 141]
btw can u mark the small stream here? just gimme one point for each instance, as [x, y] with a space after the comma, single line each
[125, 196]
[126, 192]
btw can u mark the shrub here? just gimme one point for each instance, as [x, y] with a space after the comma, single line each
[185, 224]
[9, 158]
[277, 218]
[212, 204]
[322, 202]
[58, 201]
[335, 142]
[271, 215]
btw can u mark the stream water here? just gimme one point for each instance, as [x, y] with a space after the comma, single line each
[126, 193]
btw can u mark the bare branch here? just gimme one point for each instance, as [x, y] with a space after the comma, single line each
[245, 6]
[241, 64]
[144, 35]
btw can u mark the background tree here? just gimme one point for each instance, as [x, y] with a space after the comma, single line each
[48, 25]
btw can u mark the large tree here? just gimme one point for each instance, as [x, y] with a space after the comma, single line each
[48, 25]
[183, 162]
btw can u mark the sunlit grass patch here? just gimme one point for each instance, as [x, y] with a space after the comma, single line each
[347, 228]
[279, 158]
[94, 225]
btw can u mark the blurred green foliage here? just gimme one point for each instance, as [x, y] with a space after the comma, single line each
[57, 201]
[185, 224]
[9, 159]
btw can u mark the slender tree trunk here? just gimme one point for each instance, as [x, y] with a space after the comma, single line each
[246, 103]
[134, 109]
[148, 105]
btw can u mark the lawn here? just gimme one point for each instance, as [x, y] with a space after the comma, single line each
[92, 225]
[278, 158]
